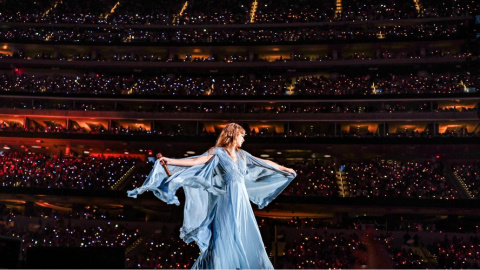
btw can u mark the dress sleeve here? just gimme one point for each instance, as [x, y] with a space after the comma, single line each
[202, 185]
[263, 181]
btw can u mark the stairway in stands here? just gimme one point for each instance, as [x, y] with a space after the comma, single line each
[418, 7]
[425, 255]
[338, 8]
[135, 245]
[253, 11]
[463, 186]
[343, 185]
[124, 179]
[457, 182]
[176, 17]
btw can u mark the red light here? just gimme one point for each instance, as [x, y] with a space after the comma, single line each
[18, 71]
[437, 157]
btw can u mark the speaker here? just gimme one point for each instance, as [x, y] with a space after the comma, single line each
[9, 251]
[75, 257]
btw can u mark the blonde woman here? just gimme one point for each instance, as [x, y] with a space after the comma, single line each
[219, 186]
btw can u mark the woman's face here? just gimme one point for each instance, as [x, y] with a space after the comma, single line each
[239, 140]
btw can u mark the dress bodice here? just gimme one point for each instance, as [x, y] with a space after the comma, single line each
[228, 168]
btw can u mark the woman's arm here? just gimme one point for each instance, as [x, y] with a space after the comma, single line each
[278, 166]
[187, 161]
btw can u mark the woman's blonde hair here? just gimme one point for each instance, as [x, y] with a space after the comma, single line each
[228, 135]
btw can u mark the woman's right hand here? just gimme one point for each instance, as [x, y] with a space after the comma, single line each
[162, 158]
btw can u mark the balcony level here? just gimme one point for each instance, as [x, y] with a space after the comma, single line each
[412, 21]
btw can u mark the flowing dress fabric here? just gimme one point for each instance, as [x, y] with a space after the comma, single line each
[217, 213]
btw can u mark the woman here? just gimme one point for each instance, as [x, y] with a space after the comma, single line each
[218, 186]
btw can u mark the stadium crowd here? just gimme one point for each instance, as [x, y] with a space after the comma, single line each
[142, 12]
[458, 252]
[375, 178]
[314, 180]
[424, 179]
[339, 34]
[63, 234]
[42, 171]
[241, 85]
[169, 130]
[304, 243]
[135, 57]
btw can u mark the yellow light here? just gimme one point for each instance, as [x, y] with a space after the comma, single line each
[53, 7]
[253, 11]
[176, 18]
[112, 10]
[338, 10]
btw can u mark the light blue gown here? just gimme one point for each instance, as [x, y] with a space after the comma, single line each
[217, 213]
